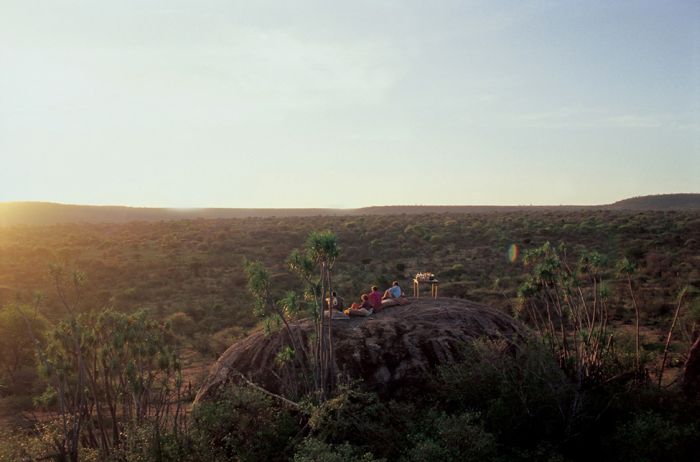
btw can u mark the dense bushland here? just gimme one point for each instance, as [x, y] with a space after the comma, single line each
[493, 406]
[196, 267]
[585, 384]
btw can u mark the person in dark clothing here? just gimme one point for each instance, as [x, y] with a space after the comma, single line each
[337, 303]
[364, 308]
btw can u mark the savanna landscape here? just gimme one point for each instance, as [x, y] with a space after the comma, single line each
[332, 231]
[185, 289]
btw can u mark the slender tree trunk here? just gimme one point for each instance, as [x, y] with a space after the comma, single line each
[636, 324]
[562, 329]
[550, 323]
[92, 379]
[591, 321]
[297, 350]
[670, 333]
[79, 400]
[111, 403]
[322, 337]
[316, 345]
[331, 352]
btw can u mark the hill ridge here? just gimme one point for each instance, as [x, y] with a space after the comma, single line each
[49, 213]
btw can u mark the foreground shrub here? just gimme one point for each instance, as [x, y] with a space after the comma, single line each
[363, 420]
[522, 395]
[244, 425]
[651, 437]
[452, 438]
[147, 443]
[313, 450]
[20, 446]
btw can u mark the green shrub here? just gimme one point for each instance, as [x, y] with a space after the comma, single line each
[182, 323]
[146, 443]
[364, 421]
[313, 450]
[651, 437]
[244, 425]
[455, 438]
[523, 395]
[20, 446]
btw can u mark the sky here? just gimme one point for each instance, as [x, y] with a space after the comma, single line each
[225, 103]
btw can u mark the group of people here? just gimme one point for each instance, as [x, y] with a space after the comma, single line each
[371, 302]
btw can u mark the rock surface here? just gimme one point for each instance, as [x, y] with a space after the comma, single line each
[389, 352]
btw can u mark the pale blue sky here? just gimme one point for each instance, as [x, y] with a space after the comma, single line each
[206, 103]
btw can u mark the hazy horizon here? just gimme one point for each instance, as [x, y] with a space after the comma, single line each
[315, 104]
[484, 205]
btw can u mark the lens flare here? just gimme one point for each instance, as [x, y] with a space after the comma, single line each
[513, 253]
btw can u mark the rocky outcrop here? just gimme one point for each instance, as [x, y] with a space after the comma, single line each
[388, 352]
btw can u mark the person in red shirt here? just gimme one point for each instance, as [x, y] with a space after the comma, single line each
[375, 298]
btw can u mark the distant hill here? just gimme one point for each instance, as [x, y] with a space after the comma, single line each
[685, 201]
[48, 213]
[422, 209]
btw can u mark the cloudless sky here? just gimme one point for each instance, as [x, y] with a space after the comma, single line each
[223, 103]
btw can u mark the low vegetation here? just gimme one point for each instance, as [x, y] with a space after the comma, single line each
[97, 321]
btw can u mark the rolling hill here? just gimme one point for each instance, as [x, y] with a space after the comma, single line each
[49, 213]
[660, 202]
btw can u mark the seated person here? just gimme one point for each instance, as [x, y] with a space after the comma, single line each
[394, 296]
[334, 301]
[375, 298]
[364, 308]
[393, 292]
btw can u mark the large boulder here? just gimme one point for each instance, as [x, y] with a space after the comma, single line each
[389, 352]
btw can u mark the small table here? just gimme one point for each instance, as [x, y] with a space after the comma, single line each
[433, 287]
